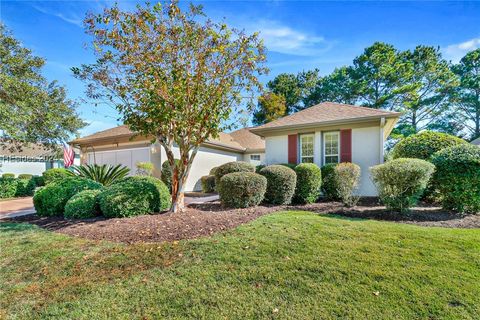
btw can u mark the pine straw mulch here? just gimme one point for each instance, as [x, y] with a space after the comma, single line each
[200, 220]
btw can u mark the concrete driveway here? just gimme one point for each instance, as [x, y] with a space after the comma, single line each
[16, 207]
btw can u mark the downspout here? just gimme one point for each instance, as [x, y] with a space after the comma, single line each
[382, 139]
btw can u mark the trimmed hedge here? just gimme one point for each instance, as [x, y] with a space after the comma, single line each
[329, 183]
[25, 176]
[401, 182]
[39, 181]
[242, 189]
[231, 167]
[25, 187]
[347, 177]
[309, 182]
[8, 187]
[51, 199]
[83, 205]
[424, 144]
[134, 196]
[55, 174]
[212, 171]
[208, 183]
[289, 165]
[8, 175]
[281, 182]
[457, 177]
[166, 174]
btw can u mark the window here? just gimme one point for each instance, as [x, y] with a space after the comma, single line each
[255, 157]
[306, 148]
[331, 147]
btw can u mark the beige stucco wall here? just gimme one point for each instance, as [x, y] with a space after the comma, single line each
[205, 160]
[246, 158]
[367, 149]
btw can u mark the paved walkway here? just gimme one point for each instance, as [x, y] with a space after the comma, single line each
[16, 207]
[23, 206]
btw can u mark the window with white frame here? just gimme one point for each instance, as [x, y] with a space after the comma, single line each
[331, 147]
[255, 157]
[306, 148]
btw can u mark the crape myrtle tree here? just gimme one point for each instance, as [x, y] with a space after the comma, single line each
[32, 110]
[174, 75]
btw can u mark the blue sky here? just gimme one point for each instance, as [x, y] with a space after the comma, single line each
[298, 35]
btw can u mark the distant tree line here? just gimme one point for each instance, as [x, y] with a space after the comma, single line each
[431, 92]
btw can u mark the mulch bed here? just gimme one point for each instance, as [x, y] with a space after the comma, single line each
[205, 219]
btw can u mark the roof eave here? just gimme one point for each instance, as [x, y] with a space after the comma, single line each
[262, 131]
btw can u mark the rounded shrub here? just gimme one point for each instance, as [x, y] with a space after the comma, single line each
[51, 199]
[259, 167]
[347, 177]
[39, 181]
[329, 182]
[212, 171]
[309, 181]
[55, 174]
[166, 174]
[83, 205]
[424, 144]
[134, 196]
[208, 183]
[401, 182]
[231, 167]
[25, 187]
[281, 182]
[8, 187]
[25, 176]
[289, 165]
[8, 175]
[242, 189]
[457, 177]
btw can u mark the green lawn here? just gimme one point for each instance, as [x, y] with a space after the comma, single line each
[289, 265]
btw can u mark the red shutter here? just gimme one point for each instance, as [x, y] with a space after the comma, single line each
[346, 145]
[292, 148]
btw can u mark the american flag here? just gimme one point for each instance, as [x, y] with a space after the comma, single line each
[68, 155]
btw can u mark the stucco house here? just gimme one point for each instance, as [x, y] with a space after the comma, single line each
[325, 133]
[119, 145]
[330, 133]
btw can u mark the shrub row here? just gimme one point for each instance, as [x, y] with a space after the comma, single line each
[22, 186]
[78, 197]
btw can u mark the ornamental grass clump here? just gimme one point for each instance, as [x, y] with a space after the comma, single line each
[401, 182]
[281, 182]
[309, 182]
[242, 189]
[458, 177]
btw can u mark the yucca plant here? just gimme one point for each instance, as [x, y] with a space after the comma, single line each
[104, 174]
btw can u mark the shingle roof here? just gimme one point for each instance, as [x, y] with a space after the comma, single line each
[324, 113]
[248, 140]
[31, 150]
[224, 139]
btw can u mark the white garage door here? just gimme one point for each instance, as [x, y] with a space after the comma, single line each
[127, 157]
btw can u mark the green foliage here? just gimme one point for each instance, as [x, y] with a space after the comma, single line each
[259, 167]
[281, 182]
[135, 71]
[134, 196]
[8, 175]
[309, 182]
[457, 177]
[230, 167]
[401, 182]
[83, 205]
[467, 94]
[144, 168]
[25, 176]
[424, 144]
[51, 199]
[8, 187]
[25, 187]
[55, 174]
[242, 189]
[348, 178]
[330, 183]
[166, 174]
[39, 181]
[289, 165]
[208, 183]
[212, 171]
[270, 107]
[31, 108]
[105, 174]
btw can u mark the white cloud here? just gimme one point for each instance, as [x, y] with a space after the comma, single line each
[455, 52]
[69, 17]
[284, 39]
